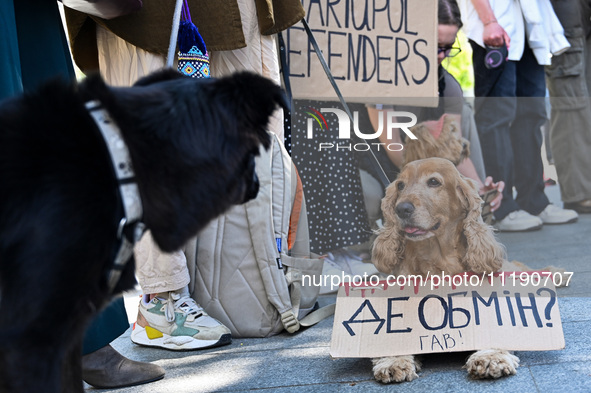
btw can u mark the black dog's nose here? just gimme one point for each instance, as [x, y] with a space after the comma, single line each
[404, 209]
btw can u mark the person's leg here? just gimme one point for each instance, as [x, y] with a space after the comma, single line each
[167, 315]
[106, 327]
[163, 277]
[11, 79]
[102, 365]
[121, 63]
[157, 271]
[526, 134]
[494, 111]
[568, 79]
[41, 29]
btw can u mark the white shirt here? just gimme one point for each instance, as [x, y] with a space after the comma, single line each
[536, 18]
[509, 16]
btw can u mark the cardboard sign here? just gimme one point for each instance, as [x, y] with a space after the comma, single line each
[378, 51]
[460, 313]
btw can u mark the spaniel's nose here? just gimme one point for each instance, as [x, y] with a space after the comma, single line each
[405, 210]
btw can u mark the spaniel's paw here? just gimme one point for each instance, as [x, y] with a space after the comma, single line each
[396, 369]
[492, 363]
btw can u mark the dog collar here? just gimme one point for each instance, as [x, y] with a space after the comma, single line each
[130, 228]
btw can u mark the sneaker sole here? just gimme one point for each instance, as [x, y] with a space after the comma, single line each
[562, 222]
[176, 343]
[531, 229]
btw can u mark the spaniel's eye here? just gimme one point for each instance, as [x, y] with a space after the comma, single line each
[400, 186]
[433, 182]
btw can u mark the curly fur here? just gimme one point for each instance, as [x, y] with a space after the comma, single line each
[483, 252]
[389, 246]
[443, 232]
[396, 369]
[491, 363]
[449, 144]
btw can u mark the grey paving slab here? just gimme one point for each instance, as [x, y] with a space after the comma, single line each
[575, 309]
[561, 245]
[577, 337]
[220, 371]
[579, 286]
[236, 368]
[571, 377]
[324, 387]
[456, 381]
[301, 362]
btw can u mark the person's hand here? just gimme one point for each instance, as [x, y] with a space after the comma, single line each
[490, 185]
[495, 35]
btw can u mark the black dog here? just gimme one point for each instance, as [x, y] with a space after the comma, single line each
[192, 143]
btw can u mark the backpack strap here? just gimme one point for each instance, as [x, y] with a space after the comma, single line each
[294, 278]
[383, 178]
[318, 315]
[258, 213]
[281, 197]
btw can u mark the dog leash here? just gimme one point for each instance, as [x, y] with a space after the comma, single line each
[378, 169]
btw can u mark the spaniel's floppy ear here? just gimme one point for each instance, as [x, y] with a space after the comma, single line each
[484, 253]
[388, 248]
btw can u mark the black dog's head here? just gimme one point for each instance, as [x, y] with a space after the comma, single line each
[192, 144]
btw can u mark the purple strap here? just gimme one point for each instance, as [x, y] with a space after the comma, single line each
[185, 14]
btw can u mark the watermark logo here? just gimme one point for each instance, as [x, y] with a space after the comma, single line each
[395, 120]
[316, 115]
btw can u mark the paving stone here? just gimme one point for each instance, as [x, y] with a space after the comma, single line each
[301, 362]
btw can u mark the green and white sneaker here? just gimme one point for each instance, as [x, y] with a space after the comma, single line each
[178, 324]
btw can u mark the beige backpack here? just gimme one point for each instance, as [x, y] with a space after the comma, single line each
[251, 261]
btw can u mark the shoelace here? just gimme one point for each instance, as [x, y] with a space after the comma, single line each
[186, 304]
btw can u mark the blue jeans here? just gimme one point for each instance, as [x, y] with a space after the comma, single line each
[109, 324]
[509, 111]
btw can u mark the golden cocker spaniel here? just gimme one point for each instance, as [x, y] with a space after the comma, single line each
[433, 223]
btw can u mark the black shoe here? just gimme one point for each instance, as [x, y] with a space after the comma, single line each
[107, 368]
[582, 207]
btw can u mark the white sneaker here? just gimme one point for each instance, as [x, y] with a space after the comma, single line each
[177, 323]
[553, 214]
[519, 221]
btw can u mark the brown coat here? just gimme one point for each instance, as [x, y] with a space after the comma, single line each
[218, 22]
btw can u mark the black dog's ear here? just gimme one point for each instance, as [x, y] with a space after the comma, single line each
[165, 74]
[256, 85]
[253, 99]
